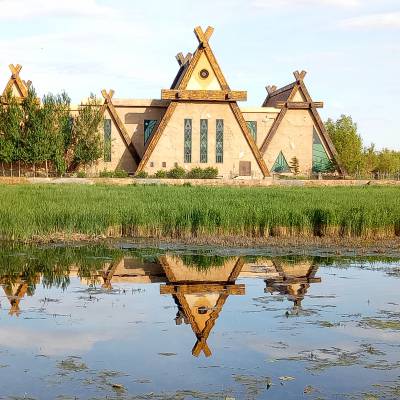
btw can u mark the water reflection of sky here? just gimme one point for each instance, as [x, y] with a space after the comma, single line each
[82, 340]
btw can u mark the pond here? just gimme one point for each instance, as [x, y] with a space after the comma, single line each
[132, 322]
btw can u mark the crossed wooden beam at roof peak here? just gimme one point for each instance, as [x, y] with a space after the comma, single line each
[22, 86]
[299, 76]
[203, 37]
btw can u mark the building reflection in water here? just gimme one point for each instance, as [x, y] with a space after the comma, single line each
[292, 279]
[200, 285]
[200, 294]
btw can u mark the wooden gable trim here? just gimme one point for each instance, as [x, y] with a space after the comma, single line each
[157, 135]
[203, 47]
[249, 138]
[108, 105]
[204, 287]
[322, 130]
[299, 105]
[16, 81]
[202, 95]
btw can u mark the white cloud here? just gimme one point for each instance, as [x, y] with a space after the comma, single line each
[384, 20]
[273, 4]
[26, 9]
[51, 343]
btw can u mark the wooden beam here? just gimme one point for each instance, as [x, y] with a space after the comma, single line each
[203, 37]
[108, 104]
[16, 80]
[199, 288]
[183, 60]
[273, 130]
[253, 146]
[299, 105]
[271, 89]
[201, 95]
[299, 75]
[279, 119]
[157, 135]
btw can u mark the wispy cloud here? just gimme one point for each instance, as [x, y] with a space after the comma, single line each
[273, 4]
[23, 9]
[373, 21]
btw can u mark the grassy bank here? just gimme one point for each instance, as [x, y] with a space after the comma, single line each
[28, 212]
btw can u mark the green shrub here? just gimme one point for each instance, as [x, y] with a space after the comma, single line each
[120, 173]
[106, 174]
[176, 173]
[196, 173]
[141, 175]
[161, 174]
[210, 173]
[81, 174]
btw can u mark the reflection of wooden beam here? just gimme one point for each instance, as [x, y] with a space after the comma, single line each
[299, 105]
[203, 288]
[236, 270]
[201, 95]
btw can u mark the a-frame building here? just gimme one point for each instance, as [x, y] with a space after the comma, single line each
[297, 131]
[203, 125]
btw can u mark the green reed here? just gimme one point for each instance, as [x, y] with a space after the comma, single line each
[28, 211]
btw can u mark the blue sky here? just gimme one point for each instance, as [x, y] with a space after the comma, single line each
[350, 48]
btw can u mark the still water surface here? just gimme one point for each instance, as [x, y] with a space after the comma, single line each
[99, 323]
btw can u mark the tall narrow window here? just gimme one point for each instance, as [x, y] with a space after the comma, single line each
[253, 129]
[187, 147]
[219, 141]
[203, 140]
[107, 140]
[321, 161]
[149, 125]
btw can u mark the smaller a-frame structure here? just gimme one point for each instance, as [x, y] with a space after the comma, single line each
[16, 290]
[293, 280]
[201, 93]
[15, 84]
[200, 296]
[108, 108]
[296, 104]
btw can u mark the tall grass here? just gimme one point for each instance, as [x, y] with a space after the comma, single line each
[27, 211]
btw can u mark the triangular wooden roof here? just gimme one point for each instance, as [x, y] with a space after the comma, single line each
[283, 98]
[15, 81]
[187, 65]
[182, 291]
[109, 106]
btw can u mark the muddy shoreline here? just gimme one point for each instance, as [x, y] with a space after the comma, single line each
[316, 246]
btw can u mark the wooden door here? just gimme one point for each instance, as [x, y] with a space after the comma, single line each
[245, 168]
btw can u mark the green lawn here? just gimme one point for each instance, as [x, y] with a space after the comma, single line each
[27, 211]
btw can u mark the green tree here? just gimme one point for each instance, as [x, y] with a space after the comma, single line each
[57, 122]
[36, 142]
[347, 141]
[86, 138]
[388, 162]
[10, 130]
